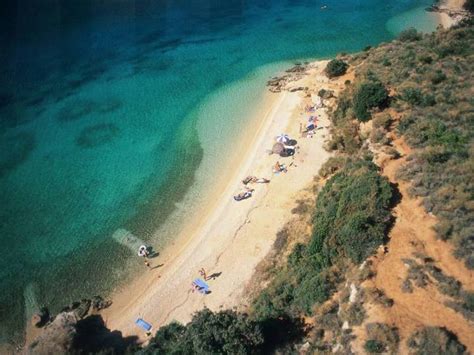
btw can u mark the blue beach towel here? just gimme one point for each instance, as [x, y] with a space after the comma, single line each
[142, 324]
[203, 287]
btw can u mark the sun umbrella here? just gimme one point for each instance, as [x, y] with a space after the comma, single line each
[283, 138]
[278, 148]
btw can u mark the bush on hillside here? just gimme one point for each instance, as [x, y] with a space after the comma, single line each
[225, 332]
[369, 95]
[352, 214]
[409, 35]
[374, 346]
[434, 340]
[469, 5]
[350, 221]
[336, 67]
[382, 338]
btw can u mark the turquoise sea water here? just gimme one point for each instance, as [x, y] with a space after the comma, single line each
[417, 17]
[115, 115]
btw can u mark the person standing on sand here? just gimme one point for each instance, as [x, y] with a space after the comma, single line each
[203, 273]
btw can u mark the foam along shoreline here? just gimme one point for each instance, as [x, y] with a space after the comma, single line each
[231, 237]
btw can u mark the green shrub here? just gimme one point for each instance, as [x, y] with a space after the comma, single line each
[332, 165]
[350, 219]
[225, 332]
[169, 339]
[426, 59]
[336, 67]
[352, 213]
[386, 62]
[409, 35]
[312, 290]
[374, 346]
[434, 340]
[438, 77]
[367, 96]
[354, 314]
[469, 5]
[411, 95]
[469, 301]
[382, 337]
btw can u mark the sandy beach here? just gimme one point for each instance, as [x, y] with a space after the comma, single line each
[232, 237]
[450, 6]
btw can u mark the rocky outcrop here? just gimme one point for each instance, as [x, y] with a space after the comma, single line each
[280, 83]
[57, 337]
[82, 308]
[59, 332]
[40, 318]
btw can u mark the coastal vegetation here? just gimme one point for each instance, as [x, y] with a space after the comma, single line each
[369, 95]
[336, 67]
[225, 332]
[469, 5]
[350, 219]
[430, 85]
[434, 340]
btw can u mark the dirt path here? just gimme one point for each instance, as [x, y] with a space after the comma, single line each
[413, 232]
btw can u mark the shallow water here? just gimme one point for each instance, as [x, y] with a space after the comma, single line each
[417, 17]
[109, 109]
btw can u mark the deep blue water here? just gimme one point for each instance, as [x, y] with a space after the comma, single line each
[100, 103]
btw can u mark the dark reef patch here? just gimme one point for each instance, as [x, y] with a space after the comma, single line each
[151, 65]
[78, 109]
[34, 101]
[6, 99]
[97, 135]
[14, 150]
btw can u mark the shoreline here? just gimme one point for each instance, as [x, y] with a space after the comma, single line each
[228, 237]
[444, 16]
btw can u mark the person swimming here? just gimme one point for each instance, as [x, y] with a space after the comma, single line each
[143, 251]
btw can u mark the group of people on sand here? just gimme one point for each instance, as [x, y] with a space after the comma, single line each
[198, 285]
[248, 191]
[145, 254]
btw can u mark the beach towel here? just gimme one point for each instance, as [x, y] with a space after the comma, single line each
[203, 287]
[142, 324]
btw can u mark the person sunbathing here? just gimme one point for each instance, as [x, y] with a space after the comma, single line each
[255, 179]
[279, 167]
[244, 195]
[249, 179]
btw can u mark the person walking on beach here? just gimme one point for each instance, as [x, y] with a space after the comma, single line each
[203, 273]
